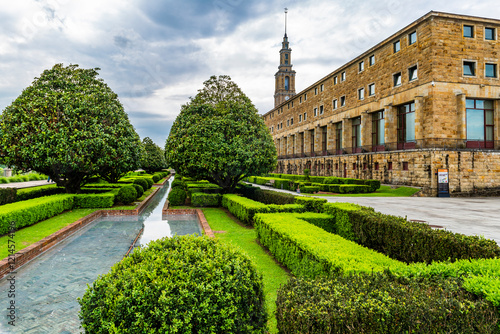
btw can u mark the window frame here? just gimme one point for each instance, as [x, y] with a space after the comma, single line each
[495, 71]
[414, 67]
[356, 143]
[471, 30]
[361, 66]
[335, 80]
[342, 101]
[396, 46]
[409, 37]
[321, 109]
[474, 63]
[361, 93]
[370, 63]
[485, 143]
[377, 117]
[343, 76]
[402, 122]
[315, 111]
[494, 34]
[369, 89]
[335, 104]
[394, 76]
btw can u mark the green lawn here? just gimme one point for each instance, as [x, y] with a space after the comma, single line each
[245, 238]
[34, 233]
[384, 191]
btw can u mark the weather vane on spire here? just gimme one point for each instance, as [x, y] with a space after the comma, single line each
[286, 11]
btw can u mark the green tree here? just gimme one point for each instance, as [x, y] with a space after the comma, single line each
[71, 126]
[219, 136]
[154, 157]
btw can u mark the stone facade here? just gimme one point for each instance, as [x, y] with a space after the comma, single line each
[410, 100]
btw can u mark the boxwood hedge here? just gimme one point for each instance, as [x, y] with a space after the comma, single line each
[205, 200]
[177, 285]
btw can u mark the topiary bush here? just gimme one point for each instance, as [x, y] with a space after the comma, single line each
[178, 183]
[139, 189]
[143, 183]
[126, 195]
[156, 178]
[176, 196]
[183, 284]
[4, 180]
[149, 181]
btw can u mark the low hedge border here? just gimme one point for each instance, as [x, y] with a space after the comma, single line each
[409, 241]
[105, 200]
[265, 196]
[309, 251]
[201, 199]
[379, 303]
[7, 195]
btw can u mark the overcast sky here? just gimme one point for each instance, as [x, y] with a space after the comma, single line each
[155, 54]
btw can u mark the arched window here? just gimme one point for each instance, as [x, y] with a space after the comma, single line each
[287, 83]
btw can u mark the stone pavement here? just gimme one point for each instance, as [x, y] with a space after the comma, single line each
[470, 216]
[25, 184]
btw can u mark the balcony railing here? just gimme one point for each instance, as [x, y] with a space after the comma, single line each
[427, 143]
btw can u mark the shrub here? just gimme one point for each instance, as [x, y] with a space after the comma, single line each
[332, 180]
[143, 183]
[309, 251]
[382, 304]
[178, 183]
[126, 195]
[105, 200]
[205, 200]
[342, 224]
[177, 196]
[156, 178]
[286, 208]
[243, 208]
[32, 211]
[311, 204]
[373, 184]
[307, 173]
[353, 188]
[149, 181]
[7, 195]
[139, 189]
[177, 285]
[267, 196]
[309, 189]
[4, 180]
[15, 179]
[334, 188]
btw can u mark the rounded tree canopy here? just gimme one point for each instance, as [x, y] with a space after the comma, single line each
[154, 157]
[71, 126]
[219, 136]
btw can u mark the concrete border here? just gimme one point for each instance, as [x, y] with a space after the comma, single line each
[201, 218]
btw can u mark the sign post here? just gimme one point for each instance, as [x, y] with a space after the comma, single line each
[443, 183]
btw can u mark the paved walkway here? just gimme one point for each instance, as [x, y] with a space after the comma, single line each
[470, 216]
[25, 184]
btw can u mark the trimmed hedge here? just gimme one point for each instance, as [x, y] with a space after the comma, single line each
[205, 200]
[273, 208]
[266, 196]
[312, 204]
[309, 189]
[411, 241]
[31, 211]
[34, 192]
[176, 196]
[380, 303]
[143, 183]
[181, 284]
[309, 251]
[139, 189]
[7, 195]
[105, 200]
[243, 208]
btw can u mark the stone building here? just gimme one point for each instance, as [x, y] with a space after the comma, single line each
[426, 98]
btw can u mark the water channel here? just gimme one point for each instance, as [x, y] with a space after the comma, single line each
[47, 288]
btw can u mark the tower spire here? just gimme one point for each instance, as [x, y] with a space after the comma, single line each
[286, 12]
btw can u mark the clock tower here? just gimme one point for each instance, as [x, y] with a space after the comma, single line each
[285, 77]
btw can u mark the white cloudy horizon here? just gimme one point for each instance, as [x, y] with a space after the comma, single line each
[156, 54]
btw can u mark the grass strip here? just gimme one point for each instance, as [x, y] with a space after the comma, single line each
[383, 191]
[34, 233]
[245, 238]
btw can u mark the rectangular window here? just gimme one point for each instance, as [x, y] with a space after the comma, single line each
[335, 104]
[356, 134]
[288, 105]
[389, 165]
[371, 89]
[353, 166]
[321, 110]
[490, 70]
[412, 38]
[281, 125]
[397, 79]
[315, 111]
[479, 118]
[365, 166]
[468, 31]
[412, 73]
[405, 165]
[469, 68]
[372, 60]
[305, 97]
[338, 137]
[305, 116]
[292, 104]
[490, 34]
[342, 101]
[287, 122]
[336, 166]
[300, 99]
[342, 76]
[334, 80]
[377, 166]
[322, 87]
[406, 126]
[396, 46]
[291, 121]
[378, 129]
[300, 118]
[316, 91]
[361, 66]
[361, 93]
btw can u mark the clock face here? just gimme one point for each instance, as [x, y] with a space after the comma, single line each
[287, 97]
